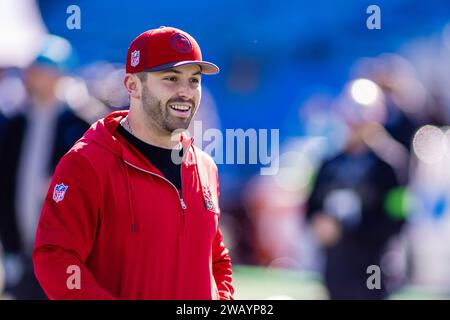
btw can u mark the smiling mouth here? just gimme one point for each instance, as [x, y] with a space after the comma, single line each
[180, 107]
[181, 110]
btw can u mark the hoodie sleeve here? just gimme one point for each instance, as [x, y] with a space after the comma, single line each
[67, 230]
[222, 264]
[222, 268]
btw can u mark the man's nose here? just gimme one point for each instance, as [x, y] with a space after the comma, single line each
[186, 91]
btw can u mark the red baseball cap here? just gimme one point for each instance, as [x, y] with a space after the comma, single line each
[164, 48]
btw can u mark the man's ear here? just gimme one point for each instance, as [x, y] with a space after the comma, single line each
[133, 85]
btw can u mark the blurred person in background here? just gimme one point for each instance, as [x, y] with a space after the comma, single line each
[272, 205]
[31, 145]
[429, 228]
[3, 121]
[12, 94]
[347, 210]
[404, 95]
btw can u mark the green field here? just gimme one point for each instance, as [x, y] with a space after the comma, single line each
[252, 282]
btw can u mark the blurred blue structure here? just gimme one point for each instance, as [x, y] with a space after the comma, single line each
[272, 54]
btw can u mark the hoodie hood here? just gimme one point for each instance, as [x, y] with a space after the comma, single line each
[104, 134]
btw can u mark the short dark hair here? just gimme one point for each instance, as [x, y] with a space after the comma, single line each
[142, 76]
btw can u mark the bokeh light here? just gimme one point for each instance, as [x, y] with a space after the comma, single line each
[430, 144]
[364, 91]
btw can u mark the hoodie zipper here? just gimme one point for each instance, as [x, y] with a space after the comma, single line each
[180, 194]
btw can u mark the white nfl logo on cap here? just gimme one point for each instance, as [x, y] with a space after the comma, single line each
[135, 58]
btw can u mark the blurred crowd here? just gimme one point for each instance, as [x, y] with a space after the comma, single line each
[44, 110]
[366, 184]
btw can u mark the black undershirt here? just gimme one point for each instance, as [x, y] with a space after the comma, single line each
[161, 158]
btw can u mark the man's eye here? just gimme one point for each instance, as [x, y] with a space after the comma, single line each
[173, 79]
[195, 80]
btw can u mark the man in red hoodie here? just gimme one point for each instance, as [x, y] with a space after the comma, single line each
[132, 212]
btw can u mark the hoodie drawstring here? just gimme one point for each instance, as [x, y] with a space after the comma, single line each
[133, 224]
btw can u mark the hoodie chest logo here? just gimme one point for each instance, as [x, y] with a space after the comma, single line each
[209, 202]
[59, 192]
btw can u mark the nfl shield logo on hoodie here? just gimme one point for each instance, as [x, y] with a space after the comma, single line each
[59, 192]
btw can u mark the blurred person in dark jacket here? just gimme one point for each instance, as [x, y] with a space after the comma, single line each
[31, 145]
[3, 121]
[348, 215]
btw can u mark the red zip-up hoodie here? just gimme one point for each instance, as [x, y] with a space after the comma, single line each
[111, 219]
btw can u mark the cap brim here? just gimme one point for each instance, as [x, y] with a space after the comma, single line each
[206, 67]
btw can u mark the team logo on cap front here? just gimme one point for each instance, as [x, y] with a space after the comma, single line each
[59, 191]
[181, 43]
[135, 55]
